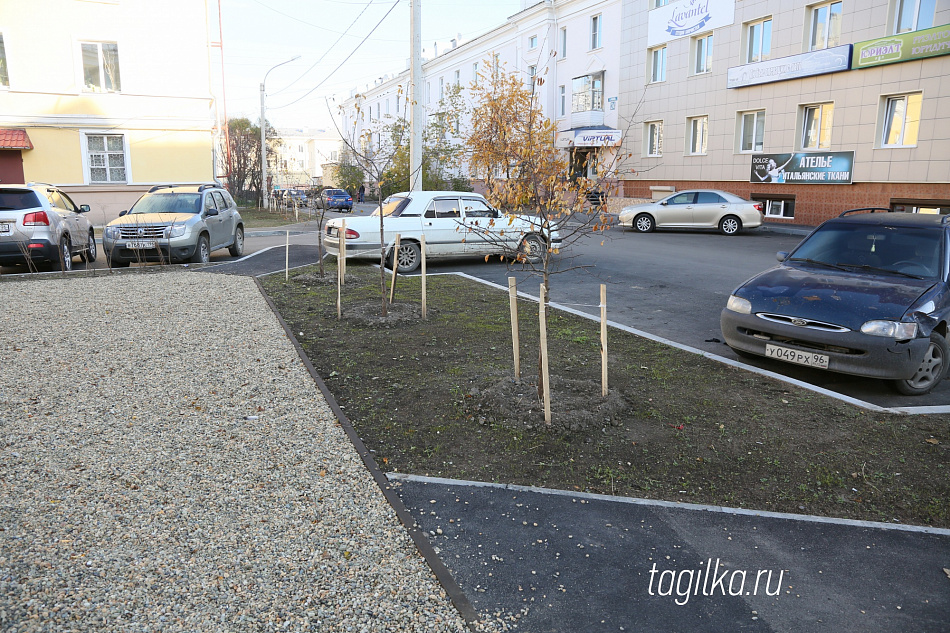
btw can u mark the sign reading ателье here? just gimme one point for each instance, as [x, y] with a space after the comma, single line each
[902, 48]
[803, 168]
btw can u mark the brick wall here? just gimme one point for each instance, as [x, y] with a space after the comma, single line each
[813, 204]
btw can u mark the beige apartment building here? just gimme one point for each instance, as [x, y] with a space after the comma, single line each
[811, 107]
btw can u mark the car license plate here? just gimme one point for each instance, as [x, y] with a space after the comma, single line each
[6, 228]
[140, 244]
[808, 359]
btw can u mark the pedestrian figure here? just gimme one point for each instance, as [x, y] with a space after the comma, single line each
[361, 191]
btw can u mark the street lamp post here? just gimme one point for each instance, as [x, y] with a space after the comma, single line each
[264, 136]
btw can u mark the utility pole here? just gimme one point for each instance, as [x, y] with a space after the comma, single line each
[415, 119]
[264, 135]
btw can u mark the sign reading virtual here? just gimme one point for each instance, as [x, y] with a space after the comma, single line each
[826, 60]
[686, 17]
[803, 168]
[902, 48]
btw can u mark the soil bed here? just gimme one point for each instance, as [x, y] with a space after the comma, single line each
[438, 397]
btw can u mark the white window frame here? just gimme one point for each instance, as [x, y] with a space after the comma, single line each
[562, 100]
[916, 24]
[830, 30]
[776, 207]
[532, 42]
[656, 4]
[909, 132]
[87, 160]
[758, 124]
[596, 26]
[653, 138]
[475, 73]
[4, 68]
[698, 135]
[825, 110]
[441, 88]
[458, 77]
[100, 88]
[657, 71]
[755, 41]
[562, 44]
[702, 54]
[591, 98]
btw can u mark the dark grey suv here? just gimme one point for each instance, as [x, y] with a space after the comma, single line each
[174, 224]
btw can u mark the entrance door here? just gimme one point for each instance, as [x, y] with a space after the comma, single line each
[11, 167]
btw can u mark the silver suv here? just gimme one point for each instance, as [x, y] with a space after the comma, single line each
[172, 223]
[40, 226]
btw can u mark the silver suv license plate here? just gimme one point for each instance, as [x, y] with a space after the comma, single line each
[808, 359]
[5, 228]
[140, 244]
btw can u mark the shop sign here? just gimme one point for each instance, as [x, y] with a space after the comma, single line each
[686, 17]
[902, 48]
[803, 168]
[589, 138]
[820, 62]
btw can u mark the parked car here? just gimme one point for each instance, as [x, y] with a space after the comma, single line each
[454, 224]
[175, 223]
[695, 209]
[41, 225]
[863, 294]
[335, 199]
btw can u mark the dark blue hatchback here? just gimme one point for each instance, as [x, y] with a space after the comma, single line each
[865, 294]
[336, 199]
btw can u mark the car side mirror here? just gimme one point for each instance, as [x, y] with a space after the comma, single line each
[84, 208]
[664, 203]
[210, 212]
[121, 213]
[781, 256]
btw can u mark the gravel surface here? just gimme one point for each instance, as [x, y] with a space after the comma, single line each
[167, 464]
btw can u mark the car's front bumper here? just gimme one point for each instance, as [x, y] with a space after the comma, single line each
[848, 352]
[165, 251]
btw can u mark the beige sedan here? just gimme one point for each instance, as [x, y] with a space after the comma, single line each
[695, 209]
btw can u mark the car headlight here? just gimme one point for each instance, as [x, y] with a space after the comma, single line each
[175, 231]
[111, 232]
[738, 304]
[890, 329]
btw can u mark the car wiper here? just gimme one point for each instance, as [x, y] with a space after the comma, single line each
[816, 262]
[877, 269]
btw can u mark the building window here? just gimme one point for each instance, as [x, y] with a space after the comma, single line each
[658, 3]
[533, 41]
[4, 74]
[825, 26]
[816, 126]
[702, 46]
[562, 100]
[775, 207]
[475, 73]
[100, 67]
[563, 42]
[495, 64]
[398, 105]
[588, 93]
[378, 105]
[387, 107]
[901, 120]
[595, 27]
[654, 138]
[913, 15]
[752, 131]
[658, 64]
[698, 132]
[441, 88]
[458, 77]
[758, 40]
[105, 155]
[428, 91]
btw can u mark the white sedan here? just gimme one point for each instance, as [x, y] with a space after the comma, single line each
[695, 209]
[454, 224]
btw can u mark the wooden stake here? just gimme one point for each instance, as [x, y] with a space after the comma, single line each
[392, 286]
[603, 339]
[340, 266]
[515, 338]
[545, 376]
[422, 248]
[342, 259]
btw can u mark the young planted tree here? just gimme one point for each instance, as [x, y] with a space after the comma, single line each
[244, 160]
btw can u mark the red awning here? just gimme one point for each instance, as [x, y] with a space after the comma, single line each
[14, 139]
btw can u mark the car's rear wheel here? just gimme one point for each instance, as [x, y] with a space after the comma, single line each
[932, 369]
[644, 223]
[408, 257]
[65, 254]
[237, 248]
[532, 249]
[89, 255]
[730, 225]
[202, 251]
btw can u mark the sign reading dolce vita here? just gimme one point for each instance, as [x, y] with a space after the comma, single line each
[902, 48]
[804, 168]
[686, 17]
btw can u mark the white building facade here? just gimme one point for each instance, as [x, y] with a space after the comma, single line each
[569, 50]
[302, 155]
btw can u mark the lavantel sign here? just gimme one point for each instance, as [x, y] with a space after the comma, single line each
[680, 19]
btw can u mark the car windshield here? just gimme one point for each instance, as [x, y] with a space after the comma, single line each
[168, 203]
[911, 251]
[393, 206]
